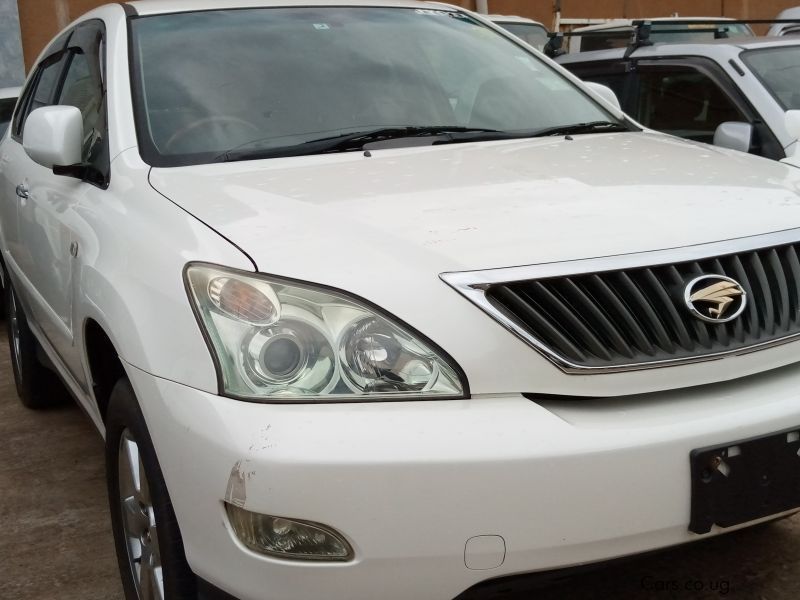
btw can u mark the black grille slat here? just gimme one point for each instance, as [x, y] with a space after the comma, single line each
[674, 322]
[647, 315]
[639, 315]
[534, 318]
[794, 277]
[751, 311]
[767, 315]
[604, 327]
[637, 334]
[781, 287]
[571, 320]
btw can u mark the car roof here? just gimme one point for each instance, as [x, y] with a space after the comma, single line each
[708, 48]
[154, 7]
[513, 19]
[9, 92]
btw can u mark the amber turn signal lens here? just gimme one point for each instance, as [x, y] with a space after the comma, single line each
[243, 301]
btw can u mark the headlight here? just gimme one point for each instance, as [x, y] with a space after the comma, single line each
[276, 339]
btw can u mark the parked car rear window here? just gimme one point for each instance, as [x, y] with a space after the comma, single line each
[208, 82]
[779, 71]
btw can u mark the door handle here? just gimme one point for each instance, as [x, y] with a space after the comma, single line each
[22, 191]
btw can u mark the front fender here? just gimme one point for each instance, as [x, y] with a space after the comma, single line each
[134, 244]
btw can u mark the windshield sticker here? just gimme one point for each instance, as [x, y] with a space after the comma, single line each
[434, 13]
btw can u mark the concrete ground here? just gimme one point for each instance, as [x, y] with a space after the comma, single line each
[55, 538]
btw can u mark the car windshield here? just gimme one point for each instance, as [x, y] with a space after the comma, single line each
[533, 34]
[210, 83]
[779, 71]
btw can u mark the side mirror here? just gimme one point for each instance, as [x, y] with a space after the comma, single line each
[734, 135]
[53, 136]
[605, 93]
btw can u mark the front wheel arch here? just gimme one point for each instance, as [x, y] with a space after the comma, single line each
[105, 366]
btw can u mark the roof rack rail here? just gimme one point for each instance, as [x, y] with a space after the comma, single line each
[642, 28]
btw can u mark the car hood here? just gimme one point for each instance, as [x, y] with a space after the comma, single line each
[484, 205]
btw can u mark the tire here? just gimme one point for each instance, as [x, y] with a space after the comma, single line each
[37, 386]
[144, 524]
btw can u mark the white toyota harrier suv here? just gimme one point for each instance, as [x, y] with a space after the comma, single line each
[371, 300]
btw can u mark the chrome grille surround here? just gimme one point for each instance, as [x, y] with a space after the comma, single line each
[477, 285]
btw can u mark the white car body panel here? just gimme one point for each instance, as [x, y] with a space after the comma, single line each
[563, 481]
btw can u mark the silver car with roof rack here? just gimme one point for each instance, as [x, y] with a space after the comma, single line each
[742, 94]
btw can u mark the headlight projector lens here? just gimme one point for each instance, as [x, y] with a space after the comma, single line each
[295, 355]
[281, 357]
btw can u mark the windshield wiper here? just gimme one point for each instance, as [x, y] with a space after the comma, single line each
[590, 127]
[355, 141]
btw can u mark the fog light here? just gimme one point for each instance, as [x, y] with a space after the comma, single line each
[287, 538]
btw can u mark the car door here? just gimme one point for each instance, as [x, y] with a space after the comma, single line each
[14, 163]
[48, 227]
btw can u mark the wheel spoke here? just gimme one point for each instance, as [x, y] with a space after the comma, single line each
[128, 476]
[146, 578]
[155, 556]
[141, 477]
[158, 582]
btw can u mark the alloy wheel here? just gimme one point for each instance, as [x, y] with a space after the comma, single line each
[139, 521]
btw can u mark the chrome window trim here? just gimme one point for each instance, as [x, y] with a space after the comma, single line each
[473, 285]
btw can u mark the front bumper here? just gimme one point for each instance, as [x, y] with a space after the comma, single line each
[559, 482]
